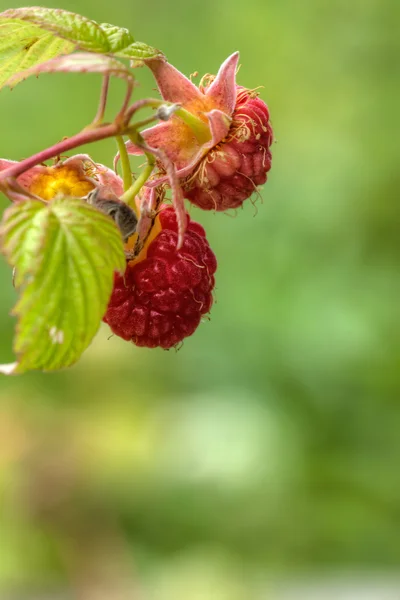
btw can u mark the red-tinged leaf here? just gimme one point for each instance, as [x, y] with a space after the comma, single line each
[83, 62]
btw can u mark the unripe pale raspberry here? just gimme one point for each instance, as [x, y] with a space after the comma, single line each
[160, 299]
[232, 170]
[218, 142]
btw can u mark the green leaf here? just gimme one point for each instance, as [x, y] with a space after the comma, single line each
[23, 46]
[85, 33]
[123, 45]
[138, 53]
[33, 35]
[65, 254]
[83, 62]
[118, 37]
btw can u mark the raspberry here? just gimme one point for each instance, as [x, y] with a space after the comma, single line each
[232, 170]
[219, 145]
[160, 299]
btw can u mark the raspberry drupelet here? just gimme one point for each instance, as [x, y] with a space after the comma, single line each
[233, 169]
[161, 298]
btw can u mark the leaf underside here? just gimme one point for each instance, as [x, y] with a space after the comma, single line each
[82, 62]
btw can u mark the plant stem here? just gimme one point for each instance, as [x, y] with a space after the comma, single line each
[122, 116]
[87, 136]
[125, 164]
[132, 192]
[139, 124]
[144, 103]
[103, 100]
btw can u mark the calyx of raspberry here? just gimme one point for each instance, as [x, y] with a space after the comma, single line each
[163, 294]
[225, 168]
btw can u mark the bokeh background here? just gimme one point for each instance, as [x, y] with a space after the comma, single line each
[262, 460]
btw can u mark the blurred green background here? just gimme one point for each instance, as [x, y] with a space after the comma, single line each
[268, 447]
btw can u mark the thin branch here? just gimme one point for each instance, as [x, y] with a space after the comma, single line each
[144, 103]
[125, 164]
[132, 192]
[87, 136]
[103, 100]
[122, 116]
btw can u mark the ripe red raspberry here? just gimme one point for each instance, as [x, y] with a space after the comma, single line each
[233, 169]
[160, 300]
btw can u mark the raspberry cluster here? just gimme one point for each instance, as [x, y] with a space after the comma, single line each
[161, 299]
